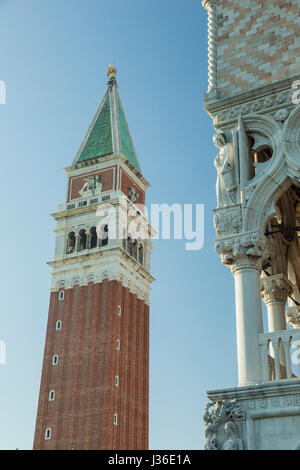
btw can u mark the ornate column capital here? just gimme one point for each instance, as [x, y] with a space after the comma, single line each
[275, 288]
[244, 251]
[293, 316]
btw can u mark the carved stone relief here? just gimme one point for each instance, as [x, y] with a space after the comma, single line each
[224, 425]
[281, 115]
[270, 104]
[132, 194]
[91, 186]
[228, 221]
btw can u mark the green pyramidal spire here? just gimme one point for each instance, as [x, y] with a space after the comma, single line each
[109, 132]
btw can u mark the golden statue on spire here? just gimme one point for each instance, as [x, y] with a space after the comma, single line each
[111, 72]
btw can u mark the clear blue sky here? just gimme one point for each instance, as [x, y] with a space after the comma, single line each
[53, 58]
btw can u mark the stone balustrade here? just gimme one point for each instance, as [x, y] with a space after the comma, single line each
[279, 351]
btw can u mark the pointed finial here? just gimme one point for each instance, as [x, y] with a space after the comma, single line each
[111, 72]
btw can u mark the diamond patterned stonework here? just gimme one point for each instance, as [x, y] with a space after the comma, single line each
[256, 44]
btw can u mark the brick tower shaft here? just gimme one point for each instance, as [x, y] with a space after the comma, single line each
[95, 379]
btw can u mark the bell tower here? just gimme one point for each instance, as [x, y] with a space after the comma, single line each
[253, 100]
[95, 376]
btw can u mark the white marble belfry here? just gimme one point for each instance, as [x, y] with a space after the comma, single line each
[257, 224]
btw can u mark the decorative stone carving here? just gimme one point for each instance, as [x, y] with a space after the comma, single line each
[293, 316]
[132, 194]
[280, 99]
[91, 186]
[221, 425]
[257, 106]
[233, 441]
[246, 109]
[269, 105]
[234, 112]
[224, 162]
[253, 246]
[269, 101]
[281, 115]
[228, 221]
[275, 288]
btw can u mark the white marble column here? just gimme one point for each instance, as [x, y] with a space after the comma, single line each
[244, 255]
[249, 323]
[275, 291]
[293, 319]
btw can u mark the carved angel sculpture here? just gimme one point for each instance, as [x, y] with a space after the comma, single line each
[224, 164]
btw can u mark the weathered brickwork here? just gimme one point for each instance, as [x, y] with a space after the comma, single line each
[86, 398]
[258, 43]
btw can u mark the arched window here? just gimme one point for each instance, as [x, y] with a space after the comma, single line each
[124, 239]
[48, 434]
[71, 242]
[141, 254]
[82, 238]
[61, 295]
[93, 238]
[260, 152]
[52, 395]
[103, 235]
[55, 360]
[134, 249]
[129, 245]
[58, 325]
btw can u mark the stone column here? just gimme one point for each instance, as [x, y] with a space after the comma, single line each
[249, 324]
[76, 242]
[244, 255]
[275, 291]
[293, 319]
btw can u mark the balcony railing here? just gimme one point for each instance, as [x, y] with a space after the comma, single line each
[280, 354]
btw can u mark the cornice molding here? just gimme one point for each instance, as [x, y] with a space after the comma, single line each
[216, 104]
[98, 259]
